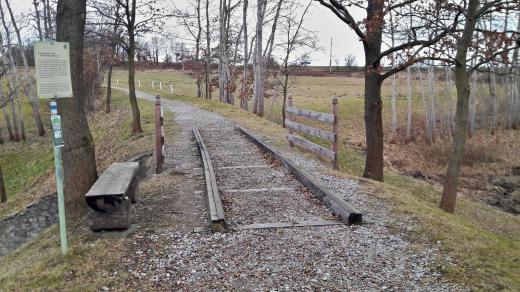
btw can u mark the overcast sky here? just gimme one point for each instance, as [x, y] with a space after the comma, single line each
[320, 19]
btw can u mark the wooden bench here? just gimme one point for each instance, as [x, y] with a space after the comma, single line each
[110, 198]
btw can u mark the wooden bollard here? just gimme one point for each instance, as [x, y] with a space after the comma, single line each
[290, 117]
[335, 112]
[117, 81]
[139, 83]
[160, 85]
[159, 135]
[171, 88]
[153, 84]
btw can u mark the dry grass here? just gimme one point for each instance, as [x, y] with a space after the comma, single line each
[91, 260]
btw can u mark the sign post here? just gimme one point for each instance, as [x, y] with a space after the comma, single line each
[53, 81]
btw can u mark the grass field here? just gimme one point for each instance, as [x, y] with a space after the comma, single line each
[483, 242]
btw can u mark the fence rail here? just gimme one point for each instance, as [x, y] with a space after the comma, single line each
[293, 126]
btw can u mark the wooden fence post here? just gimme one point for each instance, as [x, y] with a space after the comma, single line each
[139, 83]
[159, 135]
[335, 112]
[160, 85]
[152, 84]
[290, 117]
[171, 87]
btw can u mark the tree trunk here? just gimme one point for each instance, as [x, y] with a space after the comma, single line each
[136, 115]
[374, 127]
[3, 104]
[109, 87]
[28, 83]
[432, 117]
[38, 19]
[373, 102]
[285, 88]
[79, 162]
[15, 121]
[409, 98]
[243, 92]
[259, 70]
[449, 193]
[472, 104]
[3, 195]
[208, 55]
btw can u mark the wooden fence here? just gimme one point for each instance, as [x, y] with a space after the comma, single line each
[331, 119]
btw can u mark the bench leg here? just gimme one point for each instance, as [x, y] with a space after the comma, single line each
[119, 219]
[133, 190]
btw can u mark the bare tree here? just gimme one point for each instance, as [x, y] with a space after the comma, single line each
[150, 17]
[350, 60]
[29, 86]
[429, 28]
[13, 77]
[296, 38]
[474, 11]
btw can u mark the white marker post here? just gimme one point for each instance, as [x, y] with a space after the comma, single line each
[117, 81]
[160, 85]
[53, 80]
[171, 87]
[152, 84]
[139, 83]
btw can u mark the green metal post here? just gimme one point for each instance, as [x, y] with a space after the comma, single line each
[58, 167]
[61, 200]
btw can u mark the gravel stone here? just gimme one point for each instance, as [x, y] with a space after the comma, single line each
[325, 258]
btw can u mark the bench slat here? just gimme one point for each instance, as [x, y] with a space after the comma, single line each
[115, 180]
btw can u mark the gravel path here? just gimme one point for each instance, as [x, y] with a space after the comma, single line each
[365, 257]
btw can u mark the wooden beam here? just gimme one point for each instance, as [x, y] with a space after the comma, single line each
[309, 146]
[310, 131]
[318, 116]
[216, 211]
[289, 225]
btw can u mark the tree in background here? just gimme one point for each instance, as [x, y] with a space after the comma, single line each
[3, 195]
[79, 162]
[296, 38]
[350, 60]
[28, 83]
[493, 46]
[150, 17]
[259, 72]
[432, 21]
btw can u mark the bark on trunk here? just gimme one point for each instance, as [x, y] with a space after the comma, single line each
[109, 87]
[449, 193]
[3, 195]
[243, 92]
[373, 103]
[136, 115]
[79, 162]
[259, 69]
[409, 98]
[208, 55]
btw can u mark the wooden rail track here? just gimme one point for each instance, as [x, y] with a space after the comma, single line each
[216, 211]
